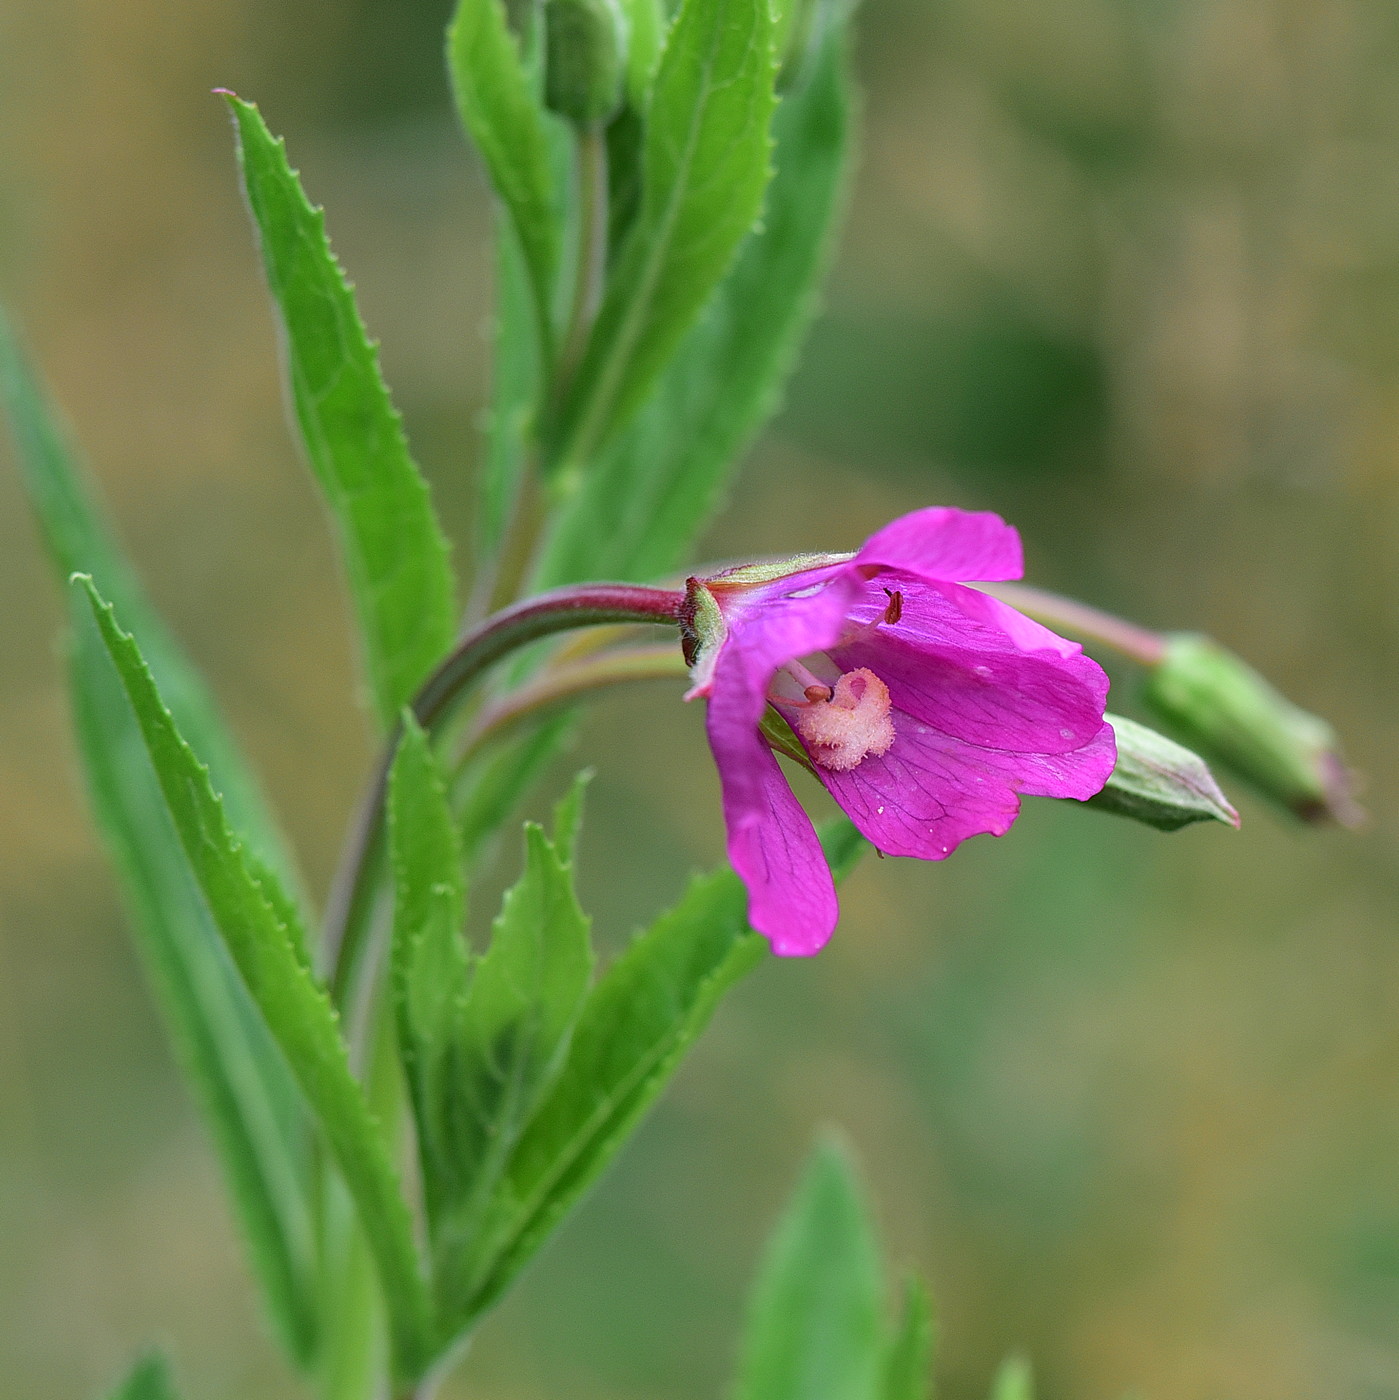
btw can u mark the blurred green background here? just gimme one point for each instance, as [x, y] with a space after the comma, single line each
[1125, 271]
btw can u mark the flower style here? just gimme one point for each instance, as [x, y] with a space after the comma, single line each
[925, 706]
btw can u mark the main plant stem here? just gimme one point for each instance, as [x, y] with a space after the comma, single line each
[349, 910]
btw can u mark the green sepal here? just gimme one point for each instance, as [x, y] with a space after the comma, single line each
[1160, 782]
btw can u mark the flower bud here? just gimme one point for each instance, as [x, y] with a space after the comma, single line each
[1228, 711]
[586, 59]
[1159, 782]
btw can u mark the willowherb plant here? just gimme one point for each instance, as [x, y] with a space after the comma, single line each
[668, 184]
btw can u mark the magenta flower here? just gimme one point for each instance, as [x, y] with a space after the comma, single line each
[924, 706]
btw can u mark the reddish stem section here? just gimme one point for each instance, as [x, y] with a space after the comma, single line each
[580, 605]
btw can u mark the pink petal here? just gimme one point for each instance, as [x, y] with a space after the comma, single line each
[772, 843]
[774, 848]
[962, 670]
[931, 791]
[943, 543]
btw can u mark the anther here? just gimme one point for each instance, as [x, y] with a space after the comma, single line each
[895, 610]
[818, 694]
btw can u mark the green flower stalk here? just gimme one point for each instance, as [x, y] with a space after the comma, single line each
[1219, 705]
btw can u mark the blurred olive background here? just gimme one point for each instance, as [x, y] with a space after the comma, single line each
[1123, 270]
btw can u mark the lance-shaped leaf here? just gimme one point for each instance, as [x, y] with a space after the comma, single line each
[249, 1101]
[500, 108]
[78, 540]
[909, 1360]
[1159, 782]
[815, 1326]
[643, 1015]
[393, 548]
[649, 495]
[516, 390]
[295, 1008]
[515, 1030]
[149, 1379]
[640, 1019]
[704, 168]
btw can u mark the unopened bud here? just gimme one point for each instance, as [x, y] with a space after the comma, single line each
[1231, 714]
[1159, 782]
[586, 58]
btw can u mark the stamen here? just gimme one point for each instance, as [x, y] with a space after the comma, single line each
[843, 730]
[895, 610]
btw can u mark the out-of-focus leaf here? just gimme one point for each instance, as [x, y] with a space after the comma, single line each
[646, 22]
[1014, 1381]
[649, 495]
[79, 540]
[503, 115]
[516, 1026]
[815, 1330]
[248, 1098]
[294, 1007]
[394, 551]
[1159, 782]
[909, 1358]
[515, 395]
[704, 169]
[149, 1379]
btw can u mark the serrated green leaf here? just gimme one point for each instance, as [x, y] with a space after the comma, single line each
[909, 1359]
[431, 969]
[704, 169]
[1159, 782]
[568, 817]
[647, 498]
[1014, 1380]
[249, 1101]
[640, 1019]
[504, 116]
[516, 1027]
[643, 1015]
[394, 551]
[149, 1379]
[815, 1330]
[295, 1008]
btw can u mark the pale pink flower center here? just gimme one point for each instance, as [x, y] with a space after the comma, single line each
[842, 727]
